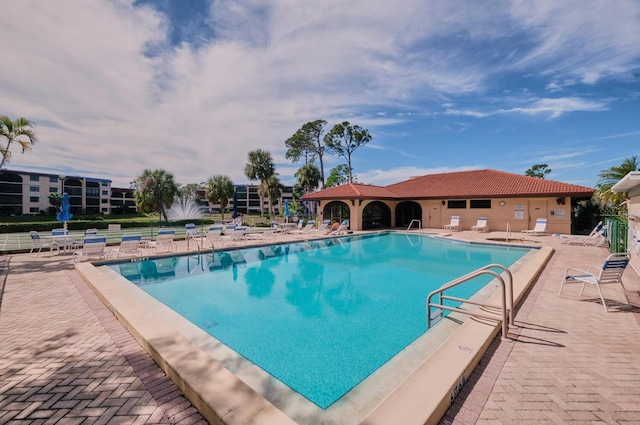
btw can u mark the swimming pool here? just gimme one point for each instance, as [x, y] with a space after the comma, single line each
[319, 316]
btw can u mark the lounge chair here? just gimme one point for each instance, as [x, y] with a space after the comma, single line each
[39, 244]
[237, 236]
[597, 239]
[481, 225]
[454, 224]
[343, 229]
[214, 234]
[192, 234]
[89, 232]
[304, 230]
[268, 235]
[539, 229]
[92, 247]
[164, 241]
[129, 245]
[324, 226]
[610, 272]
[63, 240]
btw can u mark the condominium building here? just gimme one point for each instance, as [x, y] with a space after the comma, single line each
[25, 192]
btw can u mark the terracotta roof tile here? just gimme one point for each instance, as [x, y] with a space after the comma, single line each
[464, 184]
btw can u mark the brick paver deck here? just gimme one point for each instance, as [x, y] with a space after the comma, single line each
[65, 359]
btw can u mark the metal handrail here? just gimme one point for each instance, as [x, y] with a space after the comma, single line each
[506, 304]
[416, 220]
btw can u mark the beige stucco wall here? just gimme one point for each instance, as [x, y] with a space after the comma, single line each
[634, 227]
[518, 213]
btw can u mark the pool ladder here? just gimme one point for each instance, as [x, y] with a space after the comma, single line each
[486, 311]
[415, 220]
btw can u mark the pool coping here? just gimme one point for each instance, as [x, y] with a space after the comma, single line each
[222, 398]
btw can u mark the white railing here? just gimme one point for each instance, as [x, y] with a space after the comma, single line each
[506, 305]
[415, 220]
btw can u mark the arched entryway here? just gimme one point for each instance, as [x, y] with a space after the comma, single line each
[336, 210]
[376, 215]
[407, 211]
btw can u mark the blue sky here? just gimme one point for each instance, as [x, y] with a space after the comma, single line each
[192, 86]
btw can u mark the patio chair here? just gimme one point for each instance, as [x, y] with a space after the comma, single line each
[237, 236]
[164, 241]
[539, 229]
[39, 244]
[454, 224]
[129, 245]
[597, 239]
[214, 234]
[324, 226]
[192, 233]
[304, 230]
[92, 247]
[268, 235]
[610, 272]
[343, 229]
[481, 225]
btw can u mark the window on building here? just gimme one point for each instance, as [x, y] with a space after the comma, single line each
[105, 193]
[53, 179]
[34, 178]
[480, 203]
[34, 199]
[34, 188]
[53, 190]
[105, 184]
[34, 210]
[104, 201]
[457, 204]
[104, 210]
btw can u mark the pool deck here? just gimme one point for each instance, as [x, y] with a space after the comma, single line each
[65, 359]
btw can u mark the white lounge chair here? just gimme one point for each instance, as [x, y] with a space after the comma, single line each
[129, 245]
[481, 225]
[598, 239]
[304, 230]
[39, 244]
[610, 272]
[92, 247]
[214, 234]
[324, 226]
[343, 229]
[454, 224]
[268, 235]
[237, 236]
[164, 241]
[539, 229]
[192, 234]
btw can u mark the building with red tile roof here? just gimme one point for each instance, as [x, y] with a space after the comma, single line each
[503, 198]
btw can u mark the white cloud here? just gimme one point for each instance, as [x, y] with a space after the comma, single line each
[107, 109]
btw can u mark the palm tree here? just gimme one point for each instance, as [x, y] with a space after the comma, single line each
[155, 190]
[219, 189]
[259, 167]
[612, 176]
[273, 190]
[18, 131]
[308, 177]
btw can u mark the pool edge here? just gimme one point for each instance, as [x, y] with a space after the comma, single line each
[222, 398]
[408, 403]
[215, 392]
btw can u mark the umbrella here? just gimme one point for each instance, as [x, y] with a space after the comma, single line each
[65, 210]
[234, 213]
[286, 208]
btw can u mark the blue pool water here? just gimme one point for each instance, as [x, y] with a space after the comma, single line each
[320, 317]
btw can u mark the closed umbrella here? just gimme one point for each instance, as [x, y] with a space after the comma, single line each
[234, 213]
[286, 209]
[65, 210]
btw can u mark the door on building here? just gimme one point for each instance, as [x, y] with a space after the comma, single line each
[537, 209]
[434, 214]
